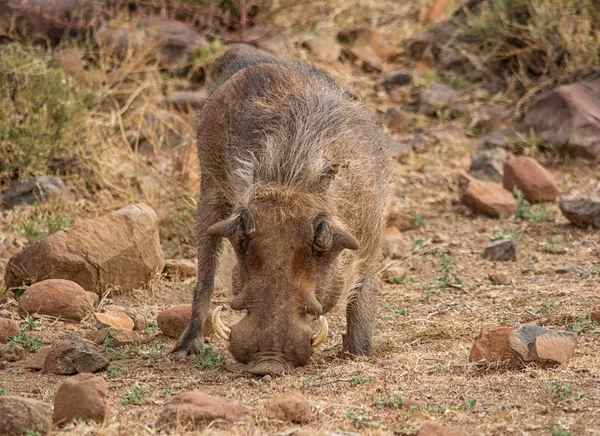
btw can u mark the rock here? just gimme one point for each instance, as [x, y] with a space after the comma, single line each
[536, 183]
[82, 396]
[323, 47]
[5, 314]
[121, 249]
[503, 251]
[394, 274]
[37, 189]
[56, 297]
[546, 347]
[500, 278]
[71, 355]
[37, 361]
[489, 165]
[508, 140]
[486, 198]
[440, 238]
[12, 352]
[8, 328]
[397, 121]
[395, 79]
[23, 416]
[69, 61]
[196, 410]
[419, 143]
[181, 268]
[291, 406]
[140, 322]
[491, 346]
[568, 118]
[117, 337]
[435, 97]
[117, 320]
[402, 221]
[172, 322]
[436, 13]
[185, 101]
[489, 119]
[366, 48]
[446, 134]
[440, 430]
[595, 315]
[581, 212]
[396, 245]
[400, 151]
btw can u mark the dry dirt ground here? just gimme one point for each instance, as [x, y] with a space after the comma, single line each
[424, 329]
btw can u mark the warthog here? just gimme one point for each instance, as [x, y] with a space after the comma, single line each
[296, 174]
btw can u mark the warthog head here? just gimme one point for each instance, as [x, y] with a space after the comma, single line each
[286, 245]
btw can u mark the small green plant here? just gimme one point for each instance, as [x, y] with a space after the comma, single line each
[525, 211]
[553, 245]
[394, 401]
[157, 349]
[135, 396]
[208, 359]
[393, 313]
[151, 329]
[420, 220]
[582, 325]
[30, 343]
[559, 431]
[546, 308]
[429, 292]
[359, 420]
[447, 279]
[48, 224]
[361, 380]
[32, 433]
[416, 243]
[468, 405]
[115, 371]
[112, 352]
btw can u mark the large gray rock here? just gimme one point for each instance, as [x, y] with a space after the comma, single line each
[568, 118]
[489, 165]
[71, 355]
[37, 189]
[582, 212]
[120, 249]
[541, 345]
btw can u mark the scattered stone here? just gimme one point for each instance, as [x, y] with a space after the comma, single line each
[117, 337]
[489, 119]
[185, 101]
[121, 249]
[196, 410]
[508, 140]
[491, 346]
[395, 79]
[5, 314]
[536, 183]
[37, 361]
[439, 430]
[394, 274]
[140, 322]
[435, 97]
[500, 278]
[22, 416]
[55, 297]
[581, 212]
[12, 352]
[82, 396]
[565, 269]
[486, 198]
[8, 328]
[397, 121]
[117, 320]
[400, 151]
[568, 118]
[435, 14]
[501, 251]
[419, 143]
[440, 238]
[172, 322]
[489, 165]
[71, 355]
[291, 406]
[595, 315]
[38, 189]
[323, 47]
[541, 345]
[402, 221]
[180, 268]
[366, 48]
[396, 245]
[446, 134]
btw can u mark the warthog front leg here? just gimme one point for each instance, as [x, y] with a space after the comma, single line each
[360, 318]
[209, 248]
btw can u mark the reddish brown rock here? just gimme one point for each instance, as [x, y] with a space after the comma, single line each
[180, 268]
[37, 361]
[536, 183]
[499, 277]
[172, 322]
[501, 251]
[117, 320]
[397, 121]
[82, 396]
[486, 198]
[323, 47]
[121, 249]
[60, 298]
[440, 430]
[396, 245]
[292, 406]
[538, 344]
[22, 416]
[12, 352]
[491, 346]
[71, 355]
[196, 410]
[8, 328]
[595, 315]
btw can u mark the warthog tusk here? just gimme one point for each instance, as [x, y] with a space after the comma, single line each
[221, 329]
[318, 338]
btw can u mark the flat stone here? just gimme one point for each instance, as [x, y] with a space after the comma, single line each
[36, 363]
[491, 346]
[538, 344]
[536, 183]
[22, 416]
[501, 251]
[82, 396]
[116, 320]
[38, 189]
[486, 198]
[197, 410]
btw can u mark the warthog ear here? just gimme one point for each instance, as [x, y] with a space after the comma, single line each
[328, 237]
[240, 223]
